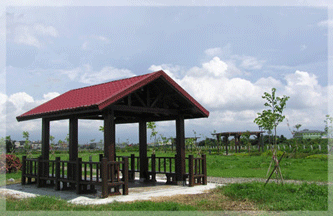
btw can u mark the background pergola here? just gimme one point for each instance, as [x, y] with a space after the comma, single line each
[140, 99]
[237, 136]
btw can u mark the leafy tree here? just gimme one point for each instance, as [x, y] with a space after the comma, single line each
[270, 119]
[9, 145]
[101, 128]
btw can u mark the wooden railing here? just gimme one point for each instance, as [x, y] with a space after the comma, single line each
[197, 170]
[111, 175]
[77, 174]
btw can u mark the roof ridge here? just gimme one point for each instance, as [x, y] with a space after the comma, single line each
[131, 85]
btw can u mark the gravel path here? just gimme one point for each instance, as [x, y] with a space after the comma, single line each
[221, 180]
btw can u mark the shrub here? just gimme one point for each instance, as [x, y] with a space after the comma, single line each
[13, 164]
[270, 153]
[241, 154]
[317, 156]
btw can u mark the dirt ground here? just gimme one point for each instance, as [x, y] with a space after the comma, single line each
[210, 200]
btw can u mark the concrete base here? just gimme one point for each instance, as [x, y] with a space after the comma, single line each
[182, 183]
[137, 191]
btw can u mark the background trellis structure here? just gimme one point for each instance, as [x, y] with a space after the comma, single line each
[140, 99]
[236, 136]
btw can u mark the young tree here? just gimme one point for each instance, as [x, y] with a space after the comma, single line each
[328, 125]
[273, 116]
[26, 137]
[152, 127]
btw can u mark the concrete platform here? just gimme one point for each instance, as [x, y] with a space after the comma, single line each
[137, 191]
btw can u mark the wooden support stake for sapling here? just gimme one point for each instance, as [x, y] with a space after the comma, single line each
[277, 166]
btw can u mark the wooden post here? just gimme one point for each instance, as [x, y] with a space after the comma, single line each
[132, 177]
[204, 169]
[100, 157]
[73, 147]
[190, 164]
[125, 176]
[143, 150]
[39, 174]
[153, 168]
[180, 137]
[57, 173]
[218, 137]
[226, 144]
[104, 173]
[78, 175]
[109, 135]
[24, 158]
[45, 143]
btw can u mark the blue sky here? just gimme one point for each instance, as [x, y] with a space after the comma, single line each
[225, 57]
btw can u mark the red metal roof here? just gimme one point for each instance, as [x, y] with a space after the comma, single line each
[102, 95]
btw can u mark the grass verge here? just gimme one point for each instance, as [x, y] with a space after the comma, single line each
[47, 203]
[275, 197]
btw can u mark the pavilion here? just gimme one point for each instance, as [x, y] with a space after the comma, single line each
[140, 99]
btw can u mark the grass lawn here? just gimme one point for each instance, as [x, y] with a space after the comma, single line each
[247, 196]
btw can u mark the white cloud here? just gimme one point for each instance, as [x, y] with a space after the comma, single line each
[72, 74]
[213, 51]
[304, 90]
[303, 47]
[17, 104]
[250, 62]
[100, 38]
[174, 72]
[92, 41]
[45, 30]
[236, 101]
[28, 34]
[106, 74]
[85, 74]
[85, 45]
[326, 23]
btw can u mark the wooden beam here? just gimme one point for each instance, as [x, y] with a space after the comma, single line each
[45, 138]
[136, 109]
[140, 100]
[129, 100]
[159, 96]
[109, 135]
[143, 150]
[148, 97]
[180, 147]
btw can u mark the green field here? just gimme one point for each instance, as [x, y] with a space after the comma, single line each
[245, 196]
[315, 169]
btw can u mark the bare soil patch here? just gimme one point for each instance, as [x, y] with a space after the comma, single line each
[211, 200]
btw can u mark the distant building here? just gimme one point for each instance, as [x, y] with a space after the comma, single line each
[309, 134]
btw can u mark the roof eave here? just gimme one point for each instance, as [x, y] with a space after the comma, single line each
[61, 114]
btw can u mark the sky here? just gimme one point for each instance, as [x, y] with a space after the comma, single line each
[226, 57]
